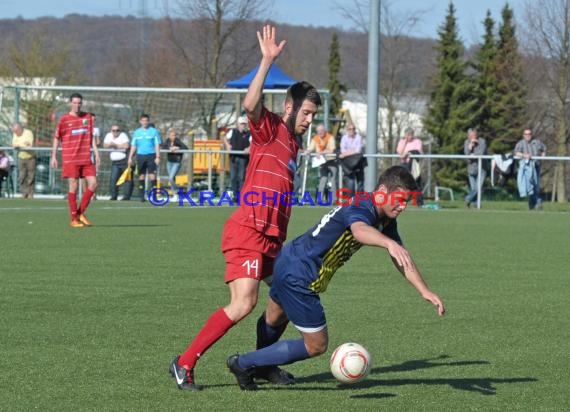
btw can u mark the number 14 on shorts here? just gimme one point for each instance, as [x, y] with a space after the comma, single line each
[252, 267]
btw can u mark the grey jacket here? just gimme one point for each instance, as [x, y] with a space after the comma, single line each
[479, 149]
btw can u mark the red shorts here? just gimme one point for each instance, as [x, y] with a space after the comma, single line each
[77, 171]
[248, 253]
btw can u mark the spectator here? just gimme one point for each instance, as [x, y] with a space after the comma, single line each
[529, 149]
[4, 169]
[146, 144]
[173, 159]
[97, 141]
[238, 139]
[75, 132]
[21, 139]
[324, 145]
[298, 163]
[474, 146]
[119, 142]
[411, 145]
[96, 131]
[352, 160]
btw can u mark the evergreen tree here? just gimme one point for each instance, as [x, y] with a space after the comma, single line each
[510, 117]
[335, 87]
[487, 82]
[453, 103]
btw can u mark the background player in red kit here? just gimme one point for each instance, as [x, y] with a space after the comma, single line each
[255, 233]
[75, 132]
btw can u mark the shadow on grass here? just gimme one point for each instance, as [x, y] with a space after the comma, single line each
[120, 225]
[484, 386]
[374, 396]
[425, 364]
[403, 367]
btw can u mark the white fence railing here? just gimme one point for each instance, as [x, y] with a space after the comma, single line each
[49, 181]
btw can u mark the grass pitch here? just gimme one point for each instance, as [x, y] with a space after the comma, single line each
[90, 318]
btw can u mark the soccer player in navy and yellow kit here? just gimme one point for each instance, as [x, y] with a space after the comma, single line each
[75, 132]
[306, 265]
[256, 231]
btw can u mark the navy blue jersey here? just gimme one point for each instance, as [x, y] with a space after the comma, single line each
[329, 244]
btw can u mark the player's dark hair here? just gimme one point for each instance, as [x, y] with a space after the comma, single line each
[144, 116]
[301, 91]
[297, 94]
[397, 177]
[75, 95]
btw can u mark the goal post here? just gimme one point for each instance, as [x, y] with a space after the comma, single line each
[197, 115]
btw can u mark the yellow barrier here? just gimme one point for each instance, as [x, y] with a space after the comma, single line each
[201, 160]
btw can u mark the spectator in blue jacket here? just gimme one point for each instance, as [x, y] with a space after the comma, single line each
[529, 149]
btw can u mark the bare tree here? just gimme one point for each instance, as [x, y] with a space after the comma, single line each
[208, 37]
[38, 55]
[212, 45]
[548, 34]
[396, 58]
[34, 55]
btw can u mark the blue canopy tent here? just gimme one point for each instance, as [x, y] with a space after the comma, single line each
[275, 79]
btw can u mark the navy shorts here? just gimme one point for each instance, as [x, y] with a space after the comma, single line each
[290, 289]
[145, 163]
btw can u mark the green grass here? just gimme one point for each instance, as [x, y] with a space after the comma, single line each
[90, 318]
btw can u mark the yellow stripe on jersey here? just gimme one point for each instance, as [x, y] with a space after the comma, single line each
[337, 255]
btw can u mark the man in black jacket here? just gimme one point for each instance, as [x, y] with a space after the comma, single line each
[237, 139]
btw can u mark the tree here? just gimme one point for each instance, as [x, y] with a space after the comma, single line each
[35, 56]
[210, 45]
[397, 58]
[549, 38]
[31, 58]
[487, 83]
[509, 115]
[207, 37]
[336, 88]
[452, 108]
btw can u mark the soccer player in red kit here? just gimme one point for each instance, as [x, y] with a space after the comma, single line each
[255, 232]
[75, 132]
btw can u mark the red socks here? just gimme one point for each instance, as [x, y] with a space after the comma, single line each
[215, 327]
[72, 202]
[87, 195]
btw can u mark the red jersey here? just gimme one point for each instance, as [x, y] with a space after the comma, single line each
[269, 177]
[76, 136]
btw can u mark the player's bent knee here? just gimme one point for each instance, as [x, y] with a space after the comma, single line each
[316, 348]
[239, 310]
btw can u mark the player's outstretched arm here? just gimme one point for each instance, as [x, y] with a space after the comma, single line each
[270, 50]
[368, 235]
[412, 274]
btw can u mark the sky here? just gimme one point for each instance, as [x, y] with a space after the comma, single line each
[470, 13]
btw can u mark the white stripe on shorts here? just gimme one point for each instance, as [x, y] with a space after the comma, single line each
[310, 330]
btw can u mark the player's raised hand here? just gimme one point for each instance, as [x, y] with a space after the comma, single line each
[267, 43]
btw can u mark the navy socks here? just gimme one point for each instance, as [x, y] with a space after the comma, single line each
[280, 353]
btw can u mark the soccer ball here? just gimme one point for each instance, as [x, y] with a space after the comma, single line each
[350, 363]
